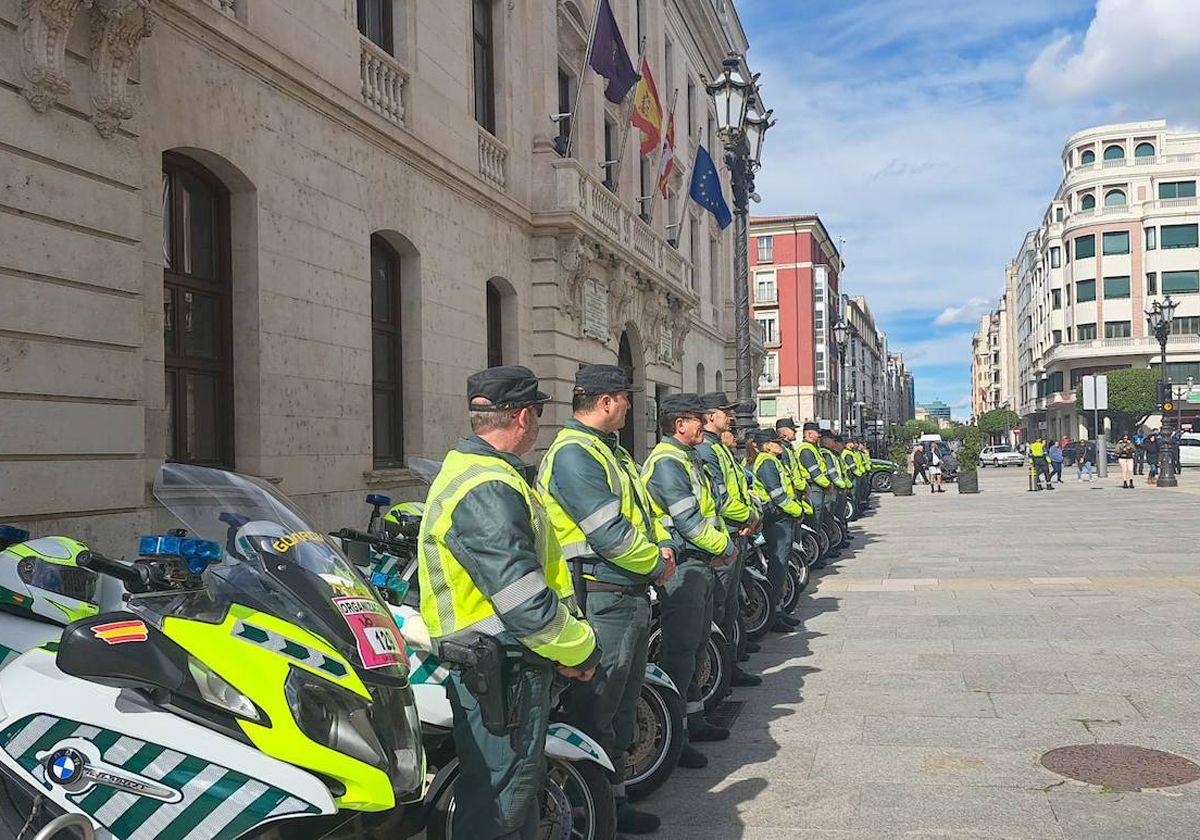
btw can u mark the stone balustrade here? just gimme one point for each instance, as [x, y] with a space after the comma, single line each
[383, 81]
[493, 159]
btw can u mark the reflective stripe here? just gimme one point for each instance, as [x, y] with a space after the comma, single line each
[579, 549]
[623, 545]
[601, 516]
[682, 506]
[519, 591]
[550, 632]
[777, 494]
[667, 522]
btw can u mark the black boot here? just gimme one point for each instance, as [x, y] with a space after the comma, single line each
[632, 821]
[691, 758]
[743, 680]
[708, 732]
[753, 647]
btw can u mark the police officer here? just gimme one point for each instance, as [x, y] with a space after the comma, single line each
[837, 478]
[779, 521]
[617, 548]
[682, 498]
[848, 467]
[820, 486]
[490, 569]
[736, 509]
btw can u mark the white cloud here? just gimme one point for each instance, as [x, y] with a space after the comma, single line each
[1138, 57]
[969, 313]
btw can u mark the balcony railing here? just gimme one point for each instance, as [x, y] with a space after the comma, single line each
[1114, 346]
[766, 295]
[768, 383]
[1170, 203]
[493, 159]
[383, 81]
[578, 192]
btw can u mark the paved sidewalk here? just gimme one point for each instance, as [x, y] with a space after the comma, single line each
[963, 638]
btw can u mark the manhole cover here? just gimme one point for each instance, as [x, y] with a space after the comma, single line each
[1121, 767]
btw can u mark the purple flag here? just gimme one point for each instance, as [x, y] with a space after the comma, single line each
[610, 58]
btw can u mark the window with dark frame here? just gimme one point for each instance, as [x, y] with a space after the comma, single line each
[1151, 283]
[564, 107]
[197, 315]
[483, 37]
[375, 23]
[387, 417]
[495, 326]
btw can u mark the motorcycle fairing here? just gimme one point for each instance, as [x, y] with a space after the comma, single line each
[659, 677]
[566, 742]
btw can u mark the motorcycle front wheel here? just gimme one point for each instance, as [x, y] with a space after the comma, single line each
[576, 803]
[715, 671]
[808, 546]
[881, 482]
[756, 607]
[657, 740]
[795, 583]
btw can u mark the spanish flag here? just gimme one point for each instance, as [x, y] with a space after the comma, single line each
[667, 163]
[647, 114]
[120, 632]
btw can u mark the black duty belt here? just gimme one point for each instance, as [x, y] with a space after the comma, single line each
[601, 586]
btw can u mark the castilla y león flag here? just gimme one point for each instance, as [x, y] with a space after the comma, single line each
[647, 111]
[667, 164]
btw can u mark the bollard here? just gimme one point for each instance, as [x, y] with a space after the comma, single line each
[1034, 484]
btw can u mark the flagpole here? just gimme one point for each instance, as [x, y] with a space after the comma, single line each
[687, 204]
[661, 154]
[582, 79]
[628, 121]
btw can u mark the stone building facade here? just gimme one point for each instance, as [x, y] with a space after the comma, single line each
[277, 237]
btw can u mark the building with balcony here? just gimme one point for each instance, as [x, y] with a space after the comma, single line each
[866, 354]
[222, 245]
[794, 289]
[1120, 232]
[900, 402]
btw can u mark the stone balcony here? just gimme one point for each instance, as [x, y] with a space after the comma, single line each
[383, 81]
[604, 217]
[1097, 347]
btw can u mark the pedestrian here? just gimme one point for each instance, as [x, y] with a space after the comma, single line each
[499, 584]
[1041, 466]
[736, 510]
[1176, 439]
[1153, 446]
[601, 516]
[935, 469]
[682, 498]
[779, 521]
[1068, 451]
[1087, 456]
[920, 463]
[1139, 453]
[1125, 457]
[1056, 461]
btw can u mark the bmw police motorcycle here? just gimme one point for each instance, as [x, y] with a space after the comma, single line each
[251, 684]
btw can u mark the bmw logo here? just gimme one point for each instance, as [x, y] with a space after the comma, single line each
[65, 766]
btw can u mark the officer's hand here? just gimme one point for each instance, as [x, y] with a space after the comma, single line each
[668, 556]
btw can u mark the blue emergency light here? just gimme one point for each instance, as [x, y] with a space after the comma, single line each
[197, 553]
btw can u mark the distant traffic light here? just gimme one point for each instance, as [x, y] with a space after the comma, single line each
[1166, 398]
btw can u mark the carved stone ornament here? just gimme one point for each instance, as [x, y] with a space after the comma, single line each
[621, 291]
[575, 255]
[43, 29]
[118, 27]
[680, 319]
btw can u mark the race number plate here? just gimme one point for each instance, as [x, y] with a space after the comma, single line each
[375, 632]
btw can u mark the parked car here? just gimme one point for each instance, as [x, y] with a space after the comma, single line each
[1002, 455]
[1189, 450]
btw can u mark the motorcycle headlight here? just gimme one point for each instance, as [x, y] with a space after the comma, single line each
[213, 689]
[334, 717]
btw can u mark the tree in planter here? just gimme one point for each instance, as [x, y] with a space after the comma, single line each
[1131, 397]
[968, 460]
[997, 422]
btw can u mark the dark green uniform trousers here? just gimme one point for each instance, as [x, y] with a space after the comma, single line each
[822, 514]
[496, 795]
[778, 529]
[686, 622]
[606, 707]
[727, 607]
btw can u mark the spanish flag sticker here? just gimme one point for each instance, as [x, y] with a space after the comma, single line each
[120, 632]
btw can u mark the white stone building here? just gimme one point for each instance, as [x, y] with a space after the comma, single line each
[1120, 232]
[277, 237]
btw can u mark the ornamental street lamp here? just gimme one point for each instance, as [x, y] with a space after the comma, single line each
[742, 126]
[841, 332]
[1159, 318]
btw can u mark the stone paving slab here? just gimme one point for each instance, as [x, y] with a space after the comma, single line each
[933, 672]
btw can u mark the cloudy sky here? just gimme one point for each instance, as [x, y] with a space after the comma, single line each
[928, 133]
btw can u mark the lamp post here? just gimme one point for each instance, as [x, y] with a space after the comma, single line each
[1159, 318]
[841, 331]
[742, 125]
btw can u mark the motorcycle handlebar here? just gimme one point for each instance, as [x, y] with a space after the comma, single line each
[134, 577]
[363, 536]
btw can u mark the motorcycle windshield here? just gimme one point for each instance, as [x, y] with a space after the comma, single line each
[273, 560]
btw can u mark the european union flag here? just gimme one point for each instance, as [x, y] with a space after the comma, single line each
[706, 188]
[610, 58]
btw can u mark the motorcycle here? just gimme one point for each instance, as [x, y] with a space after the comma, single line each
[250, 680]
[882, 471]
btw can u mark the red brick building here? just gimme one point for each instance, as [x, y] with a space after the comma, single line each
[794, 294]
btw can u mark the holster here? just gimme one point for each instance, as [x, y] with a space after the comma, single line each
[578, 582]
[484, 669]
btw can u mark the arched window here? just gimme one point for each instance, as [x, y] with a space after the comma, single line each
[197, 287]
[1114, 153]
[1087, 156]
[1144, 150]
[501, 317]
[1114, 198]
[1087, 202]
[719, 382]
[387, 419]
[700, 378]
